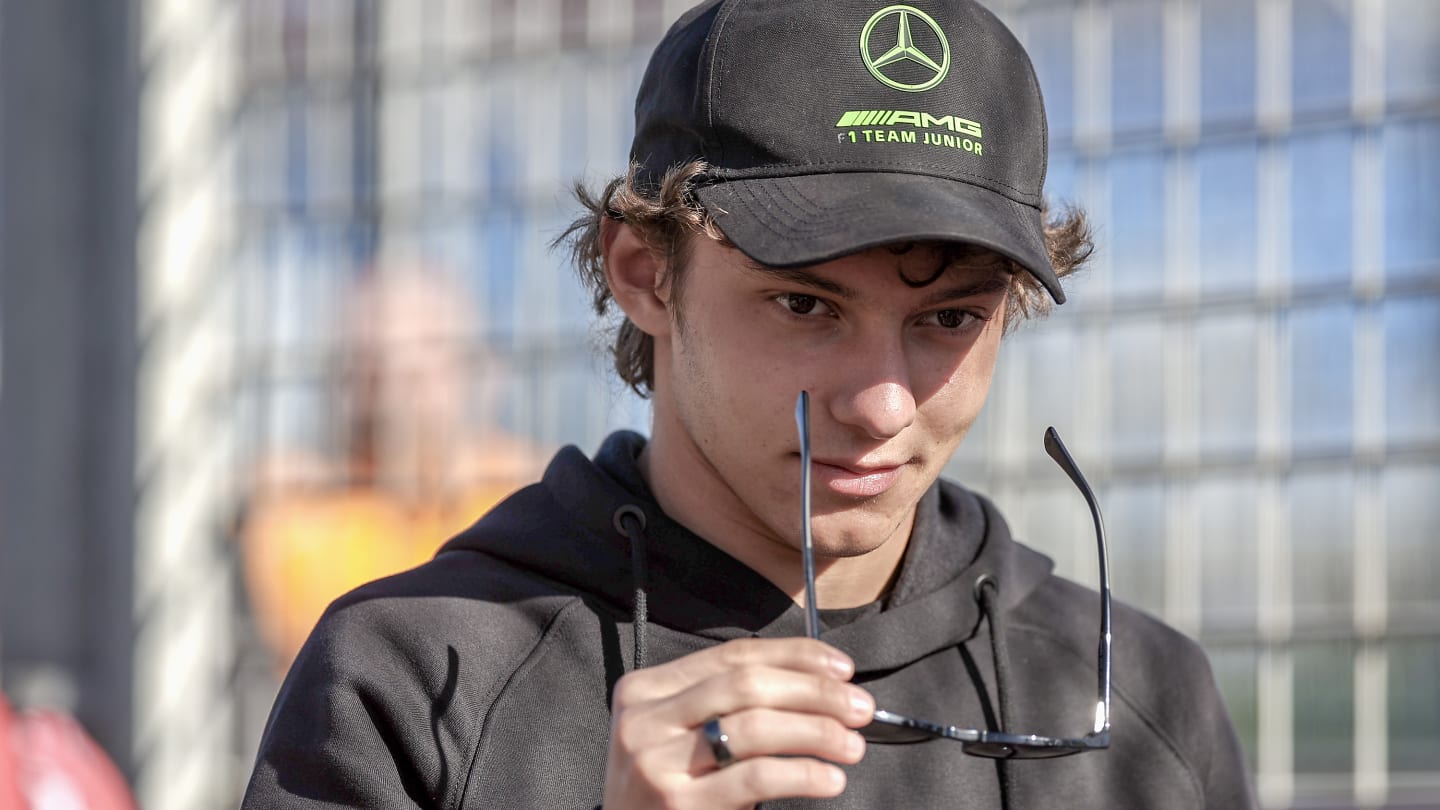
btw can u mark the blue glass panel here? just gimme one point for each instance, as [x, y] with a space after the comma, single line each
[1137, 388]
[1050, 40]
[1050, 377]
[430, 139]
[1322, 541]
[261, 170]
[1054, 517]
[297, 164]
[1226, 178]
[1137, 65]
[1414, 710]
[309, 274]
[500, 235]
[1412, 525]
[1229, 398]
[503, 161]
[1321, 377]
[1136, 236]
[1324, 708]
[1061, 184]
[308, 278]
[1412, 369]
[1229, 586]
[1412, 198]
[300, 416]
[1135, 530]
[1227, 61]
[1412, 50]
[1320, 200]
[1320, 39]
[1236, 674]
[564, 306]
[574, 130]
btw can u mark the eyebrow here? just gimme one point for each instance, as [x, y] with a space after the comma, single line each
[806, 278]
[989, 285]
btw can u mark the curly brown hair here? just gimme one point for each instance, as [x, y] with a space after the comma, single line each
[668, 218]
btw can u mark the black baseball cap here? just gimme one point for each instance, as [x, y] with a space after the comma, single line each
[832, 127]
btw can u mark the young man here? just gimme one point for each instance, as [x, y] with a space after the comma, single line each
[841, 198]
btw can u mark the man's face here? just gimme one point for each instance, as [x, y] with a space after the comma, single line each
[896, 374]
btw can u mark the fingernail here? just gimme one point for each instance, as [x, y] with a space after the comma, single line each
[861, 702]
[855, 745]
[842, 666]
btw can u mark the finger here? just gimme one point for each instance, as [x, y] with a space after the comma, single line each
[767, 732]
[647, 725]
[758, 687]
[665, 680]
[752, 781]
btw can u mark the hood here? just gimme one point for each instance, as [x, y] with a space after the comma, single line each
[564, 529]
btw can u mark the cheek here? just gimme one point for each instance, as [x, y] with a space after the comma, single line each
[717, 380]
[738, 354]
[963, 392]
[978, 370]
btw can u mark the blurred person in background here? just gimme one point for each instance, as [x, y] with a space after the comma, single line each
[423, 456]
[802, 216]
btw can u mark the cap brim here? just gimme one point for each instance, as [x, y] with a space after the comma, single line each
[808, 219]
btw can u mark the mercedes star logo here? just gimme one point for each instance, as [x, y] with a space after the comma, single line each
[905, 49]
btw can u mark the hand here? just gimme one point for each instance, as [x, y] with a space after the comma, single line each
[771, 696]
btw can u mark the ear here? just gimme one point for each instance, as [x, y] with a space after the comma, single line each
[637, 278]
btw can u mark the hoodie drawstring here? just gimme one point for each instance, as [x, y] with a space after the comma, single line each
[630, 521]
[987, 591]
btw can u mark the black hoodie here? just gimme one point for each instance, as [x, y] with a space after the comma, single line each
[482, 679]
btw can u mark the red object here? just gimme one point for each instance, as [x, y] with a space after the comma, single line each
[48, 762]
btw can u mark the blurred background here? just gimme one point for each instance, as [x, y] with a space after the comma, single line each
[278, 314]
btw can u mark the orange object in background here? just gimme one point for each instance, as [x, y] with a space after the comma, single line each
[304, 549]
[48, 762]
[424, 458]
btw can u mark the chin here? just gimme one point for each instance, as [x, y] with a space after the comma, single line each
[852, 538]
[848, 551]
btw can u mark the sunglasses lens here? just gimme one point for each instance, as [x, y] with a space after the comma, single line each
[896, 729]
[998, 750]
[886, 734]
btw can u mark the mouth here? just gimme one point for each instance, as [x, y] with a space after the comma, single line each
[856, 480]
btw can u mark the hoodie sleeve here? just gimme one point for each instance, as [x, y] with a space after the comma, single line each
[363, 720]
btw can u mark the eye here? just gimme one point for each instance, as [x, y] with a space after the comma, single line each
[954, 318]
[801, 304]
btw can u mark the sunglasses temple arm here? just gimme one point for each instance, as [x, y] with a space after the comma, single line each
[807, 546]
[1102, 710]
[1062, 457]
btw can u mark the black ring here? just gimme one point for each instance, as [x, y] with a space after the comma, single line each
[719, 742]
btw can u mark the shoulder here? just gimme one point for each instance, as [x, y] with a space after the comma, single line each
[396, 683]
[467, 601]
[1162, 684]
[1164, 674]
[1070, 612]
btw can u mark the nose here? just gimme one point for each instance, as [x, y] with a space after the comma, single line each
[875, 395]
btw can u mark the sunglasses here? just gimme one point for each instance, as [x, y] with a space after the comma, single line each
[893, 728]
